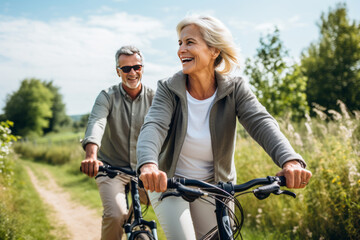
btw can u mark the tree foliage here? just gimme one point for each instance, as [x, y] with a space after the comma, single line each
[279, 87]
[36, 108]
[59, 117]
[332, 64]
[80, 124]
[30, 107]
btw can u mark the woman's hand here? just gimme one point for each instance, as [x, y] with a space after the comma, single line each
[296, 176]
[152, 178]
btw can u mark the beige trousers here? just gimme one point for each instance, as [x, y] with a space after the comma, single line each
[112, 193]
[181, 219]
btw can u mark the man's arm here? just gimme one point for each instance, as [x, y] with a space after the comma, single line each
[90, 165]
[94, 133]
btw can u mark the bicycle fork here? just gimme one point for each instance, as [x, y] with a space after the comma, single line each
[138, 219]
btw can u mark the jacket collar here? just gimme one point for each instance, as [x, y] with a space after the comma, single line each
[127, 96]
[177, 84]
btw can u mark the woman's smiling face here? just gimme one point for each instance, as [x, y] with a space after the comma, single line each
[195, 55]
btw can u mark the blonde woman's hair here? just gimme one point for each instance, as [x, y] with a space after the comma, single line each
[216, 35]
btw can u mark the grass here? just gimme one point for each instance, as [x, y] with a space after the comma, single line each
[22, 214]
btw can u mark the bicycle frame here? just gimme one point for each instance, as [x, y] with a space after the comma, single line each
[138, 219]
[135, 197]
[222, 215]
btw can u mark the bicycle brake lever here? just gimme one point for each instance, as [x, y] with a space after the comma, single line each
[168, 194]
[286, 192]
[100, 175]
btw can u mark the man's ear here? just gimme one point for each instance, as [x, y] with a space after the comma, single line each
[118, 72]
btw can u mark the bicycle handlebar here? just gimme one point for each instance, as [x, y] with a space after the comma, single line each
[269, 184]
[114, 171]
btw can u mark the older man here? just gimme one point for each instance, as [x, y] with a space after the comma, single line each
[111, 135]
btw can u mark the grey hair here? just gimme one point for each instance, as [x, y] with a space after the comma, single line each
[128, 50]
[216, 35]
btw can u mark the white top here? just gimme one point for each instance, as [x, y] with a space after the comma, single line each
[196, 156]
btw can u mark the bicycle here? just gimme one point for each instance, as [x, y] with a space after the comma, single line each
[136, 228]
[223, 193]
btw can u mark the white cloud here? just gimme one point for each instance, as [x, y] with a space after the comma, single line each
[77, 54]
[264, 27]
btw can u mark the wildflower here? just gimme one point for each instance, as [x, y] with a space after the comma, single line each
[353, 174]
[309, 233]
[343, 109]
[345, 132]
[308, 128]
[357, 114]
[334, 179]
[321, 114]
[295, 229]
[336, 116]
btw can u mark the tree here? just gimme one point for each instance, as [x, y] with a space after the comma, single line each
[30, 107]
[279, 87]
[332, 64]
[82, 122]
[59, 117]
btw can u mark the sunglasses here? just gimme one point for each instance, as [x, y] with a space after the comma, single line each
[127, 69]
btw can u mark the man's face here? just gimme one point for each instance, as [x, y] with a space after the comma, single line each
[131, 80]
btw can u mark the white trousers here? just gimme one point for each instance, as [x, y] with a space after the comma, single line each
[182, 220]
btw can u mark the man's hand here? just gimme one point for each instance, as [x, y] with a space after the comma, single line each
[296, 176]
[90, 165]
[152, 178]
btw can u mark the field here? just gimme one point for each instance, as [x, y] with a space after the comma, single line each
[328, 208]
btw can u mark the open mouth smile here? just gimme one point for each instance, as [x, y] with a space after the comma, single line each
[186, 60]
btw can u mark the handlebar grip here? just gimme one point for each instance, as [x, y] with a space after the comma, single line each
[268, 188]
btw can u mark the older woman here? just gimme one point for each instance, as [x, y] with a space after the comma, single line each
[190, 128]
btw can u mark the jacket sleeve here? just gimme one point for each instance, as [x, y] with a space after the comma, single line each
[97, 120]
[156, 125]
[262, 127]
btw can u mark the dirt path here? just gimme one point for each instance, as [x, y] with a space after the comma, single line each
[81, 223]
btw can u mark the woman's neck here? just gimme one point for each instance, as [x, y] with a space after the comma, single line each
[201, 86]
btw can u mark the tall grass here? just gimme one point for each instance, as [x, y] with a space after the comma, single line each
[329, 207]
[22, 216]
[52, 149]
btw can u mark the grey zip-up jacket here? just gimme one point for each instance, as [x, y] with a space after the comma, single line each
[164, 130]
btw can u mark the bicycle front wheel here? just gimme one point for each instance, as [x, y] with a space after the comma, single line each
[143, 235]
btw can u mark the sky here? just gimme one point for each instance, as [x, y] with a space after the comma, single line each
[73, 42]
